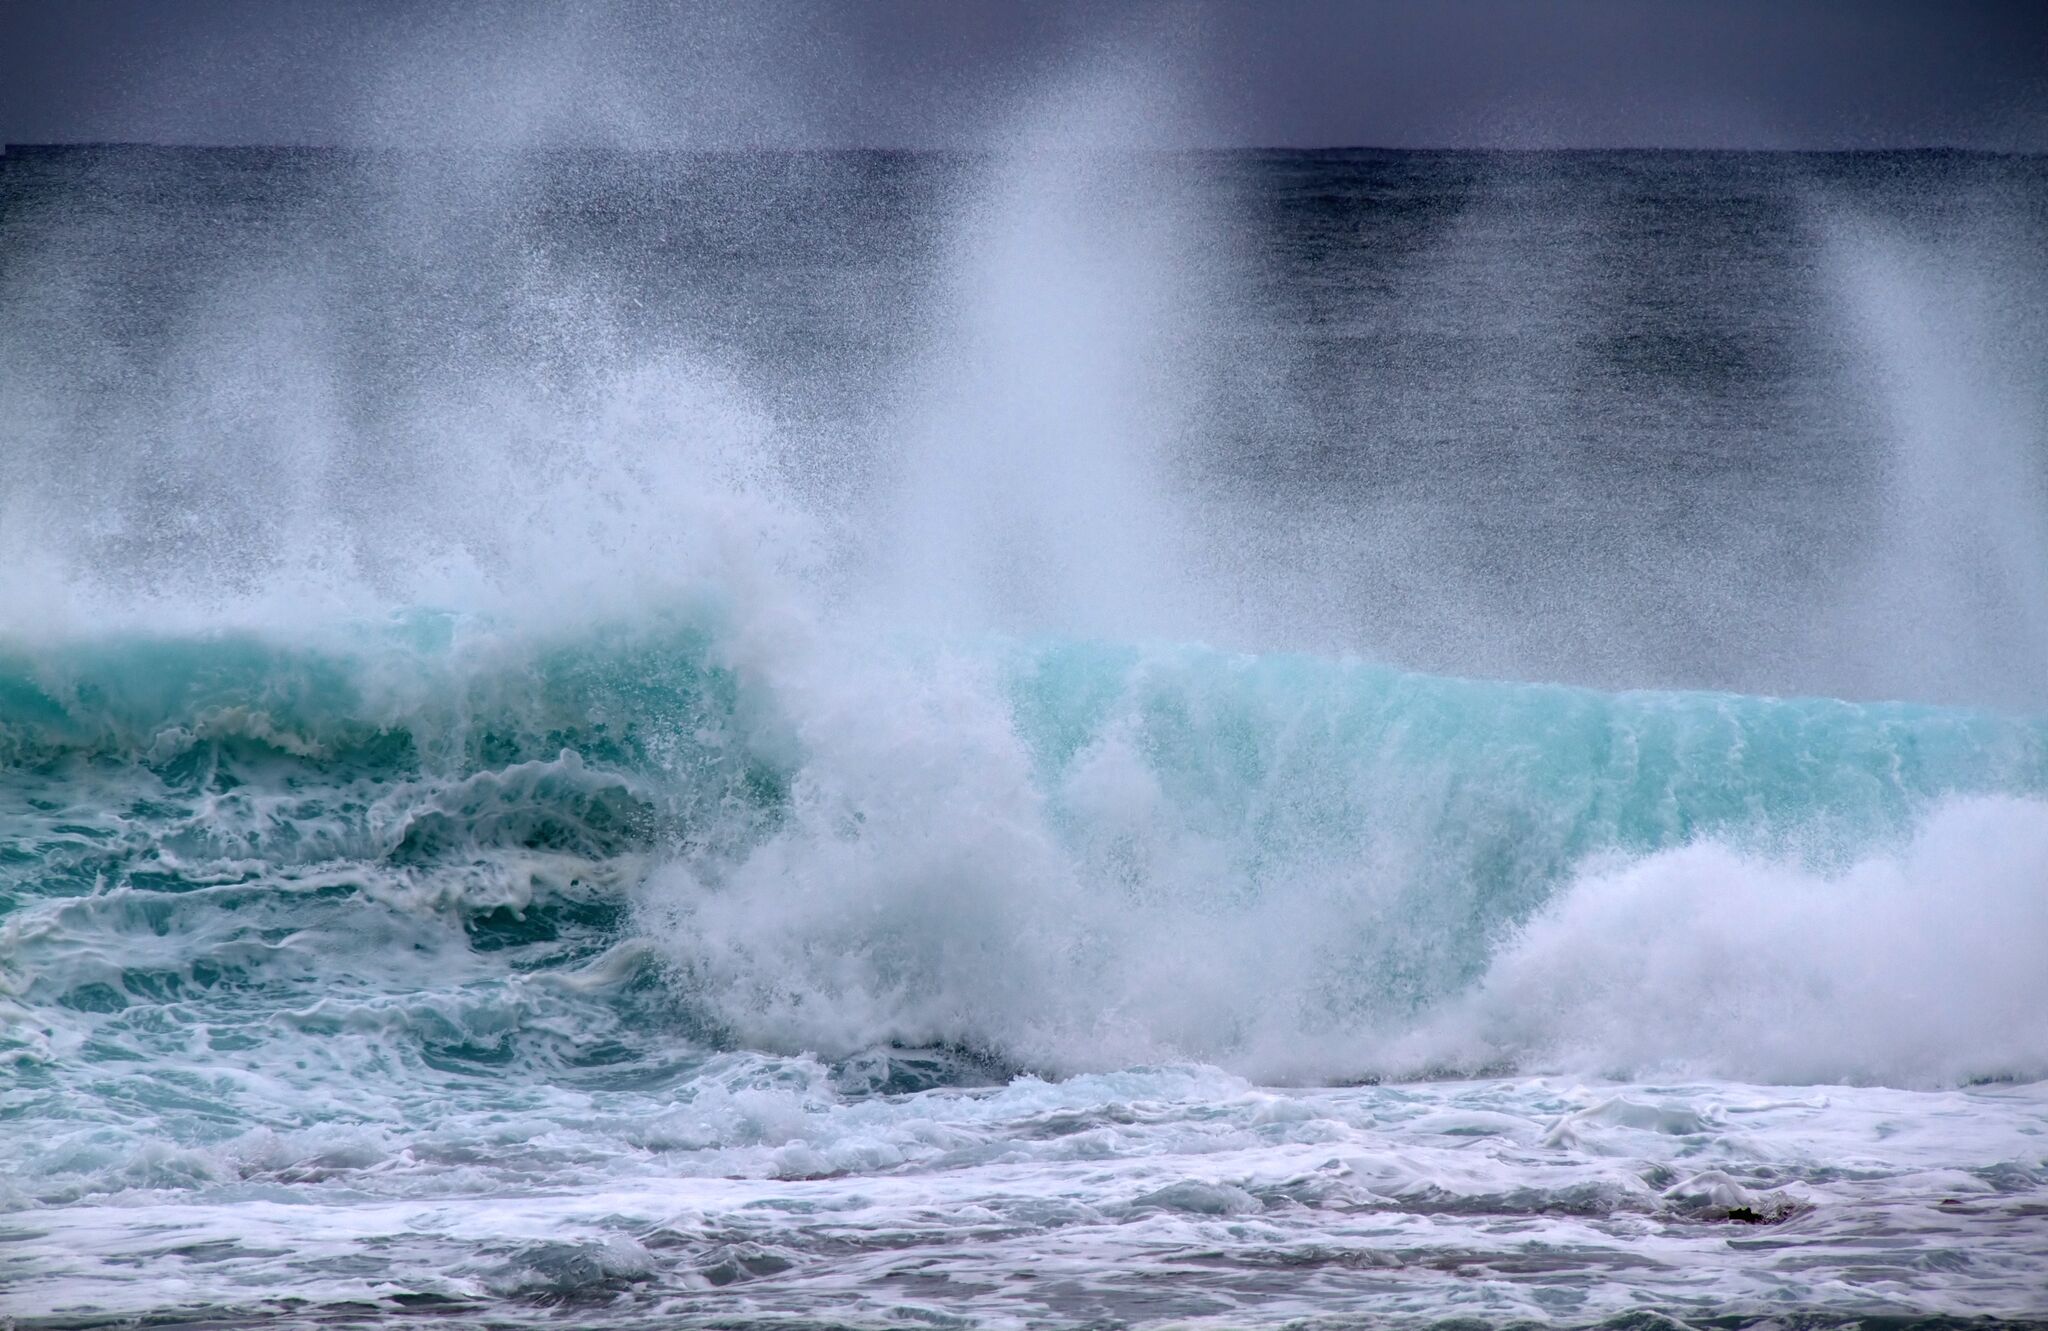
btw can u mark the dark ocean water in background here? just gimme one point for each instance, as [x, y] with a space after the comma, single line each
[1028, 739]
[1685, 395]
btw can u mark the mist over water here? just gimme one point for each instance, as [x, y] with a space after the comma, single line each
[1508, 429]
[1954, 576]
[530, 675]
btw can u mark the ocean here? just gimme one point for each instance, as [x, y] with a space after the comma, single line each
[1030, 738]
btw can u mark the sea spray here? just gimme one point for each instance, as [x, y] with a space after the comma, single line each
[1709, 960]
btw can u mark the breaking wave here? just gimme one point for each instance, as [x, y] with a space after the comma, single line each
[1055, 855]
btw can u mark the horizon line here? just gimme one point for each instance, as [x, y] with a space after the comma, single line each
[10, 145]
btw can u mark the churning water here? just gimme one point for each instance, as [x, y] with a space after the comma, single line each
[1033, 738]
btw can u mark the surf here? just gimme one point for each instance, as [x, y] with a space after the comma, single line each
[1067, 855]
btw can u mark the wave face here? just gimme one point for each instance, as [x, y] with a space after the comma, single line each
[1056, 856]
[1079, 856]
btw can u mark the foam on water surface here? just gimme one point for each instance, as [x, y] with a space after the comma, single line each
[756, 1189]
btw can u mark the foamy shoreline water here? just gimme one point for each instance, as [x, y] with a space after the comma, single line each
[1148, 1196]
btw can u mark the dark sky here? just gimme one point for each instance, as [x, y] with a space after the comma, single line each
[1517, 73]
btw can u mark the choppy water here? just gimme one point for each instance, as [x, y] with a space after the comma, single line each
[877, 740]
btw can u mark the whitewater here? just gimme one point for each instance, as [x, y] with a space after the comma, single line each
[527, 798]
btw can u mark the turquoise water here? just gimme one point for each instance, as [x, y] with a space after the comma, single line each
[513, 791]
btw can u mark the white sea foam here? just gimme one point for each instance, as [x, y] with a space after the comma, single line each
[1175, 1192]
[929, 887]
[1915, 967]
